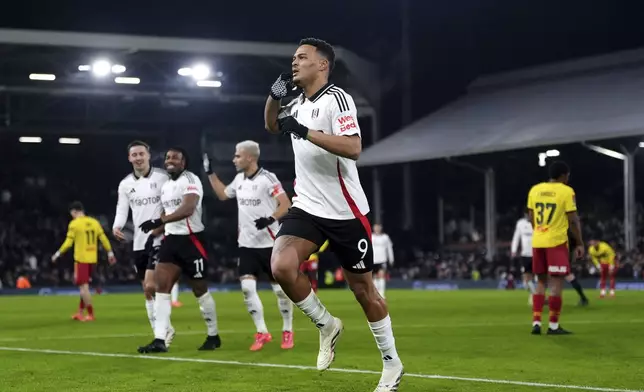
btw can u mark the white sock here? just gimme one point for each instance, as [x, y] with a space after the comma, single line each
[285, 306]
[254, 304]
[209, 313]
[553, 325]
[162, 311]
[149, 306]
[380, 286]
[175, 292]
[531, 286]
[312, 307]
[385, 340]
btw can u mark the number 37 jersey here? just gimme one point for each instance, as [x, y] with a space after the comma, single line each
[550, 203]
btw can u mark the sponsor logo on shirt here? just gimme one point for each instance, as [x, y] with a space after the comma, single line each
[172, 203]
[346, 123]
[192, 188]
[144, 201]
[249, 202]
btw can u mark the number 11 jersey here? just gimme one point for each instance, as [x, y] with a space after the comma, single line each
[550, 203]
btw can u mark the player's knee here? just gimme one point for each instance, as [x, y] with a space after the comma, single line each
[248, 287]
[363, 291]
[284, 270]
[149, 288]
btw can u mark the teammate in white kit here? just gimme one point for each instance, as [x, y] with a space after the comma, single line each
[523, 236]
[261, 203]
[182, 250]
[383, 254]
[329, 203]
[141, 191]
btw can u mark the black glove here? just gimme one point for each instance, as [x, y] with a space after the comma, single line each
[206, 164]
[290, 125]
[282, 86]
[150, 225]
[264, 222]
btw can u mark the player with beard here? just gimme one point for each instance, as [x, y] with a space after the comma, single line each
[182, 250]
[261, 203]
[329, 204]
[141, 192]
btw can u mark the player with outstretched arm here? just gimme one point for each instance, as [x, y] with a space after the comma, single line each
[261, 203]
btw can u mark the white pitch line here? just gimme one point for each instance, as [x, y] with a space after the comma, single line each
[299, 367]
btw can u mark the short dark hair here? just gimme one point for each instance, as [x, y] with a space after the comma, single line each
[558, 169]
[183, 152]
[138, 143]
[325, 49]
[76, 206]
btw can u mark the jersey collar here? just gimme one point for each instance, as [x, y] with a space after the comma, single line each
[252, 176]
[146, 175]
[318, 93]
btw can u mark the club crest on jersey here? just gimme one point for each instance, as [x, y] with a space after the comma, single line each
[153, 185]
[315, 113]
[254, 187]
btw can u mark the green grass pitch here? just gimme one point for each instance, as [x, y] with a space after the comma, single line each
[449, 341]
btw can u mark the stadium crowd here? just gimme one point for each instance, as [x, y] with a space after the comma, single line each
[34, 223]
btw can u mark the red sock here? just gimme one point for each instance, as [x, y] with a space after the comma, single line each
[612, 281]
[537, 307]
[602, 281]
[81, 306]
[314, 285]
[90, 310]
[554, 303]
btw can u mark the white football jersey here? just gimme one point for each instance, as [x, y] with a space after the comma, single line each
[255, 199]
[522, 235]
[326, 185]
[143, 196]
[171, 197]
[383, 248]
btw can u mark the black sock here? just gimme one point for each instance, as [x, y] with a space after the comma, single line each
[577, 286]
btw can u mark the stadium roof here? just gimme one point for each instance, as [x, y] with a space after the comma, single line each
[359, 73]
[78, 101]
[584, 100]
